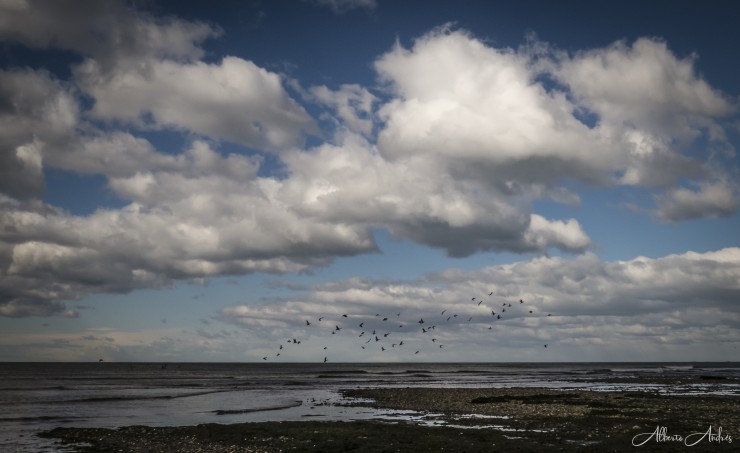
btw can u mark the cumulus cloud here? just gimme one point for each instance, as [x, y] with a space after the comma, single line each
[353, 182]
[353, 105]
[639, 303]
[480, 110]
[650, 98]
[200, 215]
[146, 71]
[717, 199]
[110, 32]
[234, 100]
[485, 113]
[35, 110]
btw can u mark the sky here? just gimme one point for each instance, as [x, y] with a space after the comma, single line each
[471, 180]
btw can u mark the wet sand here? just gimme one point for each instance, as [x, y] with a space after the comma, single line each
[513, 419]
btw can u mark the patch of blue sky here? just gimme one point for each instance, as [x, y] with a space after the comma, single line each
[77, 193]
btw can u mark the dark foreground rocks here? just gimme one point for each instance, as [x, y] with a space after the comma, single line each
[485, 420]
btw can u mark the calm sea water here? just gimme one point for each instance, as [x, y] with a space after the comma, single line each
[41, 396]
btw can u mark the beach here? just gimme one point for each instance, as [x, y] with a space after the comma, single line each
[461, 419]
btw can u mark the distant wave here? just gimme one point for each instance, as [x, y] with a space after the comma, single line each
[261, 409]
[40, 418]
[345, 372]
[103, 399]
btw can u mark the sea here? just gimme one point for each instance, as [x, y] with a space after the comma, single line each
[40, 396]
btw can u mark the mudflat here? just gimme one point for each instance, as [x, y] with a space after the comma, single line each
[460, 419]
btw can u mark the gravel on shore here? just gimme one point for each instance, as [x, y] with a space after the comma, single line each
[512, 419]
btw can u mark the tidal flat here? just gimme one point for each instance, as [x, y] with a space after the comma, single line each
[458, 419]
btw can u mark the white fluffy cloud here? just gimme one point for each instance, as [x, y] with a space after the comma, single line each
[235, 100]
[353, 182]
[353, 105]
[147, 71]
[717, 199]
[200, 216]
[652, 99]
[626, 309]
[34, 110]
[480, 109]
[111, 32]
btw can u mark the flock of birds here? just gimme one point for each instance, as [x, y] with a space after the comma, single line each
[379, 332]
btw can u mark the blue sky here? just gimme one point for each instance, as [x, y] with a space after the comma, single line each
[187, 182]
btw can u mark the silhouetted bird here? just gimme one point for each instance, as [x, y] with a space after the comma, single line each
[490, 293]
[321, 318]
[421, 321]
[443, 312]
[545, 345]
[416, 352]
[337, 328]
[344, 316]
[362, 324]
[521, 301]
[308, 323]
[324, 359]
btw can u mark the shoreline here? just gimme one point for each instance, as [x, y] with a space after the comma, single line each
[471, 419]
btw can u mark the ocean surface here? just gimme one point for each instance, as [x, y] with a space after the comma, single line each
[41, 396]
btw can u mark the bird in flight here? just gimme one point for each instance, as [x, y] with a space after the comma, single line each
[308, 323]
